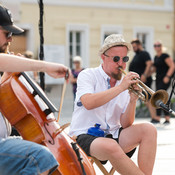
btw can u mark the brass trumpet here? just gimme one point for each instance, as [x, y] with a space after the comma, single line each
[160, 95]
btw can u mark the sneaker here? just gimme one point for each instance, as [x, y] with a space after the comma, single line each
[166, 122]
[154, 121]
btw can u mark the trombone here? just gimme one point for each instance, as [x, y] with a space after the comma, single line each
[160, 95]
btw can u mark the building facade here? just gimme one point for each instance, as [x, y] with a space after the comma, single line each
[78, 27]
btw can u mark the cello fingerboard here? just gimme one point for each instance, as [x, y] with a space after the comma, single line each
[37, 98]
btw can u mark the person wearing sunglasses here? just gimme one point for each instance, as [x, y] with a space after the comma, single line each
[142, 63]
[7, 28]
[164, 68]
[103, 98]
[18, 156]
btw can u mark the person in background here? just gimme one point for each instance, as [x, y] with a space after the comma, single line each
[164, 68]
[77, 69]
[33, 75]
[142, 64]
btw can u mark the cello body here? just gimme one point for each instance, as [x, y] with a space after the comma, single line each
[23, 111]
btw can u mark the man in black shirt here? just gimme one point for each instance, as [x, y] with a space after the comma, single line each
[141, 64]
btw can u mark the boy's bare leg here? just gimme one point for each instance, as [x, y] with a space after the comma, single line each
[109, 149]
[146, 136]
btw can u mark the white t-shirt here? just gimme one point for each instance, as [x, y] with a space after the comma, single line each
[95, 80]
[4, 127]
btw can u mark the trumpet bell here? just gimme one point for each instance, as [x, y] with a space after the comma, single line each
[159, 95]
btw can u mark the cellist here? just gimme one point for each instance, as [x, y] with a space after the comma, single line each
[18, 156]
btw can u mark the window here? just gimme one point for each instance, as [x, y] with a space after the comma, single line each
[19, 44]
[75, 45]
[78, 43]
[25, 39]
[107, 30]
[106, 34]
[146, 36]
[143, 38]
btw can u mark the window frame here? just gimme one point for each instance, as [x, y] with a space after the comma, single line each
[110, 29]
[150, 34]
[84, 28]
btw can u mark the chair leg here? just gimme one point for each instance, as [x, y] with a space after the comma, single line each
[112, 171]
[101, 167]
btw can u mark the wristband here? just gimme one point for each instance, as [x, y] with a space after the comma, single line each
[168, 76]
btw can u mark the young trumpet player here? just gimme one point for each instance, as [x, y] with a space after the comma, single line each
[103, 98]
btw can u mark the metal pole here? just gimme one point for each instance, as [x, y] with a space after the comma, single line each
[41, 54]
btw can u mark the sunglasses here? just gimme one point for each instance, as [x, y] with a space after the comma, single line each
[8, 34]
[117, 58]
[157, 45]
[76, 62]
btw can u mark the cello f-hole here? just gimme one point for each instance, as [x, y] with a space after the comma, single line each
[52, 142]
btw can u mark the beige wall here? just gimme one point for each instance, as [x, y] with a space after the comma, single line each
[57, 17]
[145, 2]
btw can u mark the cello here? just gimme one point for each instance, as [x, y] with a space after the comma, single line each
[28, 109]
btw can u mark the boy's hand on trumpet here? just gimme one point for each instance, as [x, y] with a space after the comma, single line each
[130, 79]
[133, 96]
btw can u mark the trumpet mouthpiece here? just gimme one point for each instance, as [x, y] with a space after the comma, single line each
[122, 70]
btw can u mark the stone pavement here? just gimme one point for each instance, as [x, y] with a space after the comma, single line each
[165, 159]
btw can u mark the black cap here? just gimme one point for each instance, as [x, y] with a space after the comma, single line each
[6, 21]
